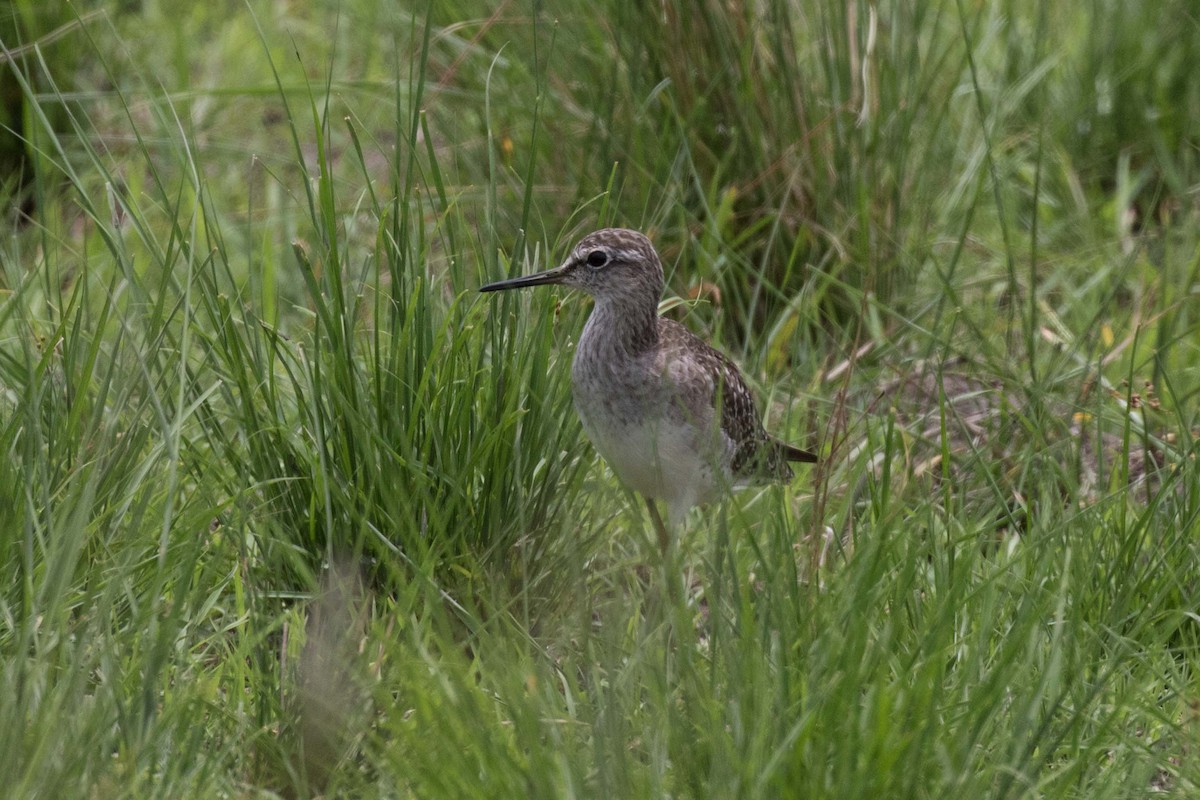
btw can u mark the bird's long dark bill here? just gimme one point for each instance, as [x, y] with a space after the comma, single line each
[555, 275]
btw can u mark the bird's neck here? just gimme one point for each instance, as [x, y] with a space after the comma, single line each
[619, 328]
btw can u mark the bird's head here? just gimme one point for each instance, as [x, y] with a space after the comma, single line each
[610, 264]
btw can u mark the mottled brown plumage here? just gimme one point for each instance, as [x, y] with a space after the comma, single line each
[670, 414]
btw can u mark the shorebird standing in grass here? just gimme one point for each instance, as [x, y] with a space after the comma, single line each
[670, 414]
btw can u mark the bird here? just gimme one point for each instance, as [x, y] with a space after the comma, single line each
[670, 414]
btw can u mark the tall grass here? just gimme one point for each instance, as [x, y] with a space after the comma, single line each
[291, 511]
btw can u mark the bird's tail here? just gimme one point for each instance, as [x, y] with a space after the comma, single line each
[790, 453]
[767, 462]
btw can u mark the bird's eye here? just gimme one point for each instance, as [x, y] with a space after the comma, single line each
[597, 258]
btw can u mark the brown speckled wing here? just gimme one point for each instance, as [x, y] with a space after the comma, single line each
[755, 454]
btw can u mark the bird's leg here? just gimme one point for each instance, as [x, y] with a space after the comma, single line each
[675, 589]
[664, 537]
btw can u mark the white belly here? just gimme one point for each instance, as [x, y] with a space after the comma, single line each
[660, 461]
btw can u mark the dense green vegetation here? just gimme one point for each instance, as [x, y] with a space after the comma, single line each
[290, 510]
